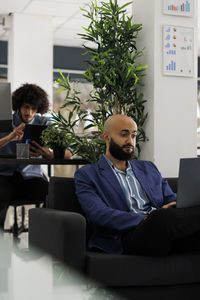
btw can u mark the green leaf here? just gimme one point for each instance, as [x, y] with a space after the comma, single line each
[115, 69]
[123, 6]
[61, 90]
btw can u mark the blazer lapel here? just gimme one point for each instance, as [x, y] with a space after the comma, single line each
[139, 174]
[109, 176]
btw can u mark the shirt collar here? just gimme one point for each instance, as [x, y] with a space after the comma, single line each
[114, 167]
[18, 120]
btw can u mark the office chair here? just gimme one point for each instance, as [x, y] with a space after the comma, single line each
[22, 201]
[15, 229]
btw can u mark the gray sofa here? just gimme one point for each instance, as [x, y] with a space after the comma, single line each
[61, 230]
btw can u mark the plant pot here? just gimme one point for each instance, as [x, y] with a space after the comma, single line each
[59, 152]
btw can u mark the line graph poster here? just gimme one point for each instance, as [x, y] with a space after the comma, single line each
[178, 7]
[178, 50]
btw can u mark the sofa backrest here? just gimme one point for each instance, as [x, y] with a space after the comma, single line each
[61, 194]
[173, 182]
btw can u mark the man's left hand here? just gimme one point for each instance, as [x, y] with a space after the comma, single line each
[37, 150]
[169, 204]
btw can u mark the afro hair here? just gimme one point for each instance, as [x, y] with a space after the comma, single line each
[31, 94]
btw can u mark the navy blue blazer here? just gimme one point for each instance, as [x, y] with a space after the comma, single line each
[103, 201]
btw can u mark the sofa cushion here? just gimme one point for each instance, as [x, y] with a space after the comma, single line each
[132, 270]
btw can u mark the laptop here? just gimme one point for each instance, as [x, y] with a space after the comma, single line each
[188, 192]
[5, 107]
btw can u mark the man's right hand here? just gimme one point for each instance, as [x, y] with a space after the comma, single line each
[17, 133]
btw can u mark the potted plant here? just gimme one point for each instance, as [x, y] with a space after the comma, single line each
[56, 139]
[116, 72]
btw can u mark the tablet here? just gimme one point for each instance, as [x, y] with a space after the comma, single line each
[33, 133]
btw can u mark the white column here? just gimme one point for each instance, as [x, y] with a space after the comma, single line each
[171, 100]
[30, 52]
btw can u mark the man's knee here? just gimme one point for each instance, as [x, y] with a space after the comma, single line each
[157, 223]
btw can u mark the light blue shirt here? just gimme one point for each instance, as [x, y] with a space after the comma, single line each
[134, 194]
[27, 171]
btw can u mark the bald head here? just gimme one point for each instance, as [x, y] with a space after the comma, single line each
[115, 121]
[120, 133]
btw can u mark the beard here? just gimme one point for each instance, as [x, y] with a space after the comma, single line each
[118, 153]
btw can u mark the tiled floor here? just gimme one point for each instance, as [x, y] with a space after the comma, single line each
[27, 274]
[25, 269]
[23, 240]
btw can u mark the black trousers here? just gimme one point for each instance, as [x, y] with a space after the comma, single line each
[15, 186]
[165, 231]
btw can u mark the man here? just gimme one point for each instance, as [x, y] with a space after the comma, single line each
[128, 205]
[30, 102]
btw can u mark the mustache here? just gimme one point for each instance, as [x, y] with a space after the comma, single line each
[128, 145]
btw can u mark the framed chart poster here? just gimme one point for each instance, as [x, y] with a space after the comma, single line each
[178, 7]
[178, 50]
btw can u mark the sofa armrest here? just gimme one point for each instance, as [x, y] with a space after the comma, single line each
[59, 233]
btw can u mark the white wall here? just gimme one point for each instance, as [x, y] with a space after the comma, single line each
[171, 100]
[30, 52]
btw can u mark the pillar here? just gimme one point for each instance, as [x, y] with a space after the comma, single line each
[171, 100]
[30, 51]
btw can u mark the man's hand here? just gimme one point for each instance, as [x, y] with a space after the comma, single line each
[169, 204]
[68, 154]
[36, 150]
[17, 133]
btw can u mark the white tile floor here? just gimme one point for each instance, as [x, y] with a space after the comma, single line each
[23, 240]
[53, 279]
[26, 274]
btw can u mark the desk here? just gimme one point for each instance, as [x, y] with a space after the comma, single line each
[43, 161]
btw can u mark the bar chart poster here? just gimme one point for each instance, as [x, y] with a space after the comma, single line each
[178, 7]
[178, 50]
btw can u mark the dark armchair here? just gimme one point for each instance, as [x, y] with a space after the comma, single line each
[61, 230]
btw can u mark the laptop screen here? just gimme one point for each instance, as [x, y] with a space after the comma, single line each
[5, 107]
[188, 193]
